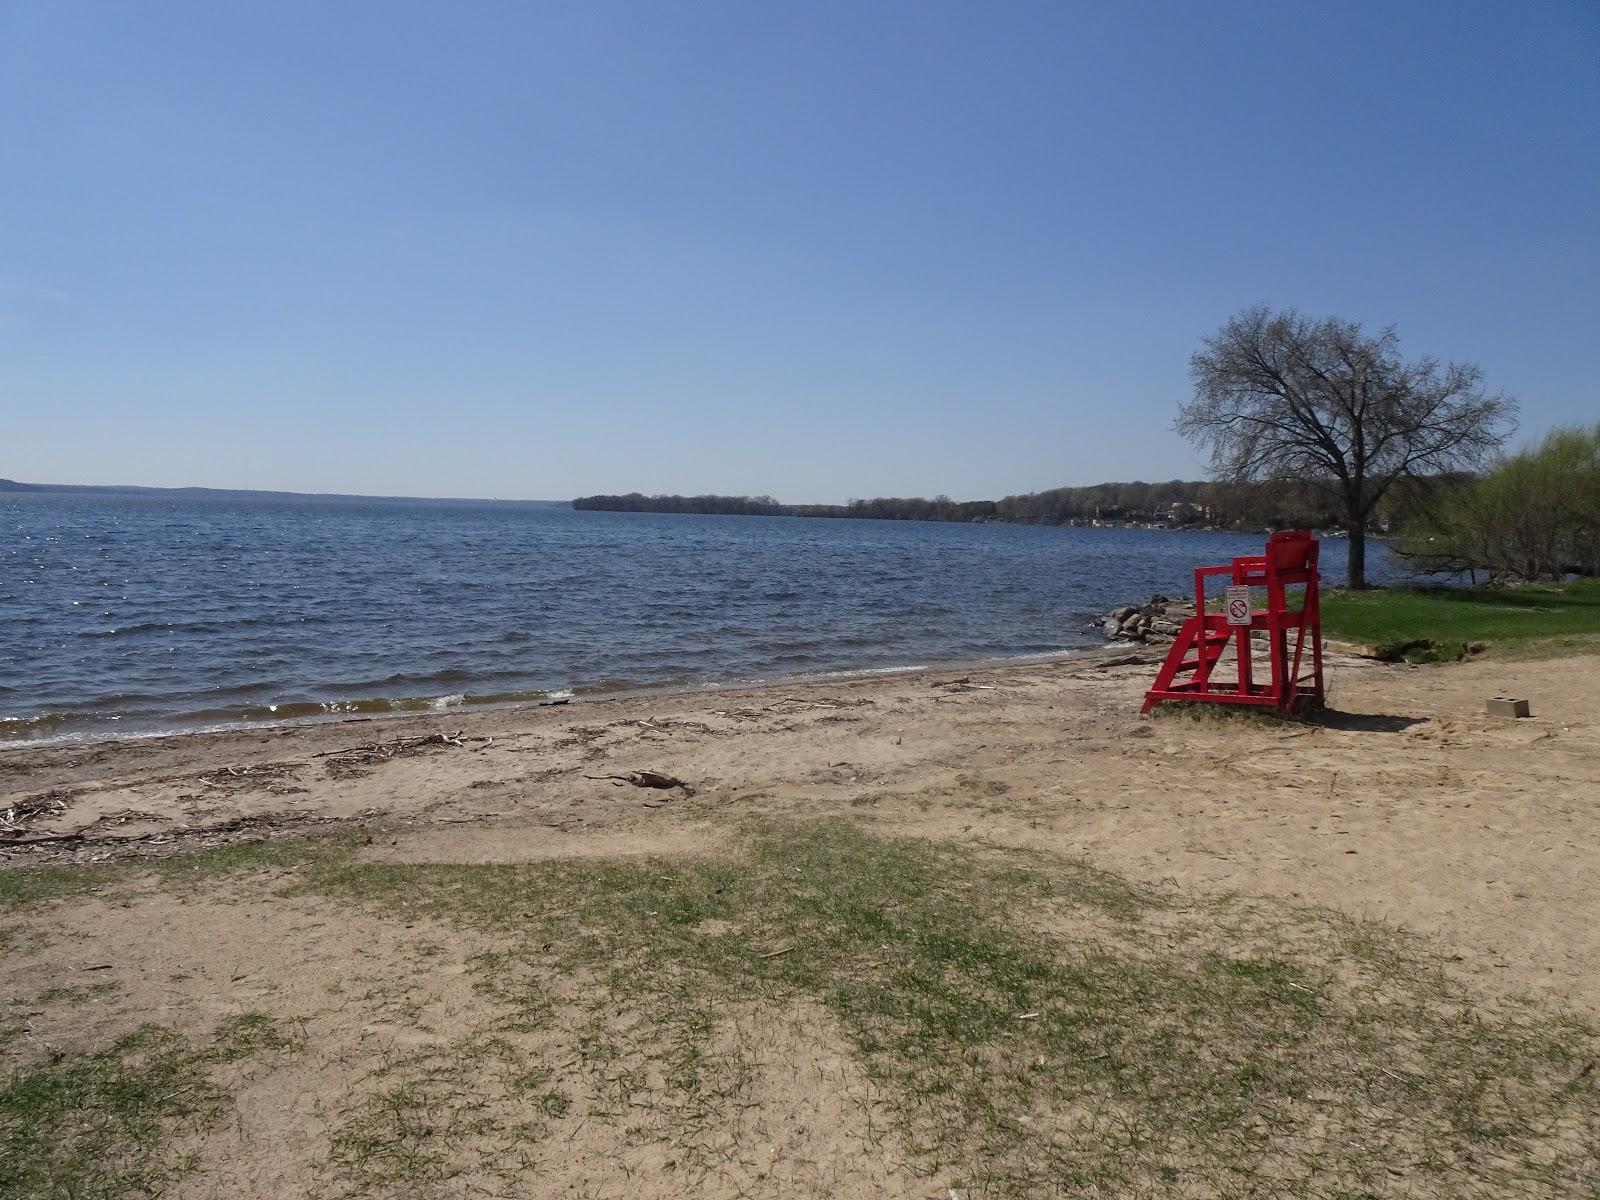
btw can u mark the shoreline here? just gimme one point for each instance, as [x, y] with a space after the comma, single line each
[402, 707]
[180, 788]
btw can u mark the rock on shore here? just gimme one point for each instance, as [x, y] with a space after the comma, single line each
[1159, 620]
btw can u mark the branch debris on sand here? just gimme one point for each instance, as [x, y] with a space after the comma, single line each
[646, 779]
[378, 751]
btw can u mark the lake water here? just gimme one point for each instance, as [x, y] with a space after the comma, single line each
[122, 614]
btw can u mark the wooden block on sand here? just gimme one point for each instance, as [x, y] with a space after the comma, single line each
[1506, 706]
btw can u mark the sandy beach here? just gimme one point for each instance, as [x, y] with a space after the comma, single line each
[1408, 803]
[1404, 803]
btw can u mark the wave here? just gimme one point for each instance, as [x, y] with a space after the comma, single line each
[230, 625]
[83, 724]
[101, 721]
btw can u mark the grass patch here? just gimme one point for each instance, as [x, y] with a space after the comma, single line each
[203, 866]
[17, 939]
[23, 888]
[78, 995]
[29, 887]
[420, 1110]
[1441, 624]
[1041, 1027]
[248, 1034]
[96, 1126]
[1032, 1026]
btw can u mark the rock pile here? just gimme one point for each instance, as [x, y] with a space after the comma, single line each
[1159, 620]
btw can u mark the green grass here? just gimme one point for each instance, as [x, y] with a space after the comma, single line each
[203, 866]
[24, 888]
[1432, 624]
[78, 995]
[27, 887]
[1026, 1025]
[420, 1110]
[1040, 1027]
[98, 1125]
[16, 939]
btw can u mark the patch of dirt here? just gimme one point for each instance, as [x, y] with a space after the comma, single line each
[805, 1121]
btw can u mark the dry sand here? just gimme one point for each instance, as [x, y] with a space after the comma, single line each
[1406, 803]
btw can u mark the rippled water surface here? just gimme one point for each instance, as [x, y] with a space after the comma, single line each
[126, 613]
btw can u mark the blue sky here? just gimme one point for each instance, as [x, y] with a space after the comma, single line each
[816, 250]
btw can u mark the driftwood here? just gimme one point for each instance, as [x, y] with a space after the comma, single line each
[20, 812]
[646, 779]
[246, 777]
[45, 839]
[826, 702]
[1122, 660]
[269, 822]
[374, 751]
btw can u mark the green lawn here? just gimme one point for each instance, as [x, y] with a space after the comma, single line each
[1440, 623]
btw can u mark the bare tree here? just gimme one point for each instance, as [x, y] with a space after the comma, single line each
[1280, 396]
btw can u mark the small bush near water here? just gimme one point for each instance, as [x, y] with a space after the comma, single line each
[1535, 516]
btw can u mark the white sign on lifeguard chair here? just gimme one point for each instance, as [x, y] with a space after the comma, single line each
[1237, 604]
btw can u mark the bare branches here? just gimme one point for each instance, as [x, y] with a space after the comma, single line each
[1280, 395]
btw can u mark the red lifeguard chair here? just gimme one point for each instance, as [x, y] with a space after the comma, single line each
[1290, 559]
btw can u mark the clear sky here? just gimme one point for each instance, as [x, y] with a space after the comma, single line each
[818, 250]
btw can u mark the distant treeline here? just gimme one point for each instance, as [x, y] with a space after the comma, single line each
[1179, 503]
[206, 493]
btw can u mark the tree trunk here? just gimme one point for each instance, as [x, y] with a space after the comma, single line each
[1357, 569]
